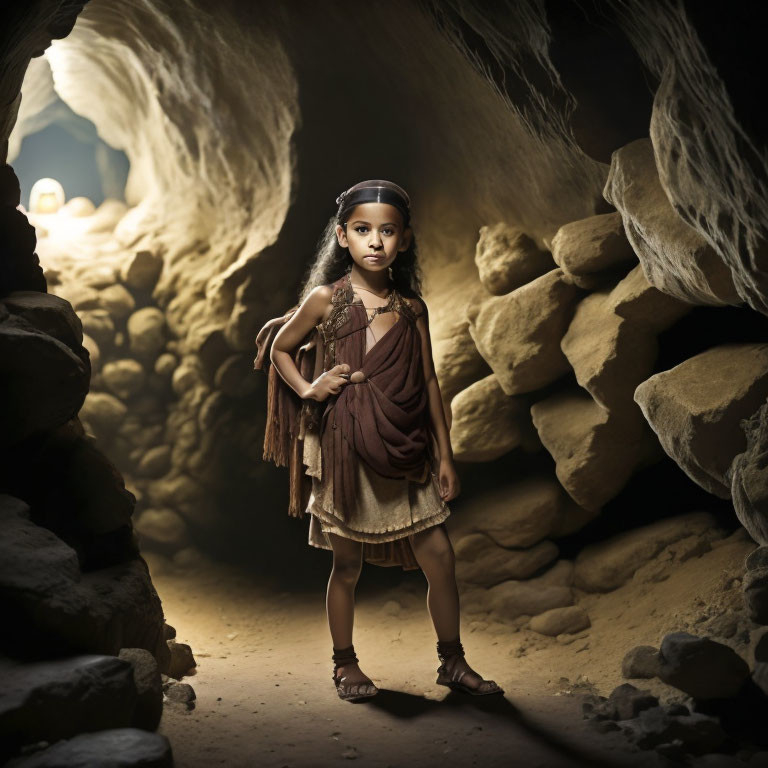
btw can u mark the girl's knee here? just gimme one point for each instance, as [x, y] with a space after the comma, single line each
[347, 571]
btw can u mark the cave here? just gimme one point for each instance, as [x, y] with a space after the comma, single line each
[588, 187]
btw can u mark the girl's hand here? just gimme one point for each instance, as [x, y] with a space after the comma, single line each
[448, 480]
[328, 383]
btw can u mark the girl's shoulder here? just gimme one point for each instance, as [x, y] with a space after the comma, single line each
[415, 303]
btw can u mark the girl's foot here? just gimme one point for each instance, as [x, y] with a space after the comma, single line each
[457, 669]
[352, 683]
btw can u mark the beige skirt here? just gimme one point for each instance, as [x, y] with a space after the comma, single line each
[388, 509]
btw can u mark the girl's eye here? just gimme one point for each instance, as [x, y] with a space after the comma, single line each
[386, 231]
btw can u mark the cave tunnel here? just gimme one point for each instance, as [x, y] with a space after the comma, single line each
[587, 190]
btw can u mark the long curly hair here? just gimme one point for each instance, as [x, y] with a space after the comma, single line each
[332, 261]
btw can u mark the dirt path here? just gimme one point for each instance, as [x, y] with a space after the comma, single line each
[265, 695]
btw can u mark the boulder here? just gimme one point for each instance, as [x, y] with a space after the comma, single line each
[756, 584]
[162, 526]
[457, 361]
[149, 688]
[675, 258]
[103, 412]
[507, 258]
[696, 407]
[124, 378]
[641, 661]
[98, 324]
[146, 333]
[49, 314]
[142, 270]
[519, 334]
[606, 565]
[487, 423]
[117, 301]
[512, 599]
[557, 621]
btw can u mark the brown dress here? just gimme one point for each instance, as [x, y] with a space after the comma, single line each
[370, 458]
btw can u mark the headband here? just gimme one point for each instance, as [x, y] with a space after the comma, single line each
[377, 194]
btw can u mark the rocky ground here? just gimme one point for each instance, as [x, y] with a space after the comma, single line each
[263, 678]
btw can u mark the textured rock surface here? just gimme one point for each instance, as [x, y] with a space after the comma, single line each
[696, 407]
[606, 565]
[675, 258]
[567, 620]
[519, 334]
[487, 423]
[507, 258]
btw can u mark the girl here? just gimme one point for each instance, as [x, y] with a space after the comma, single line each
[357, 401]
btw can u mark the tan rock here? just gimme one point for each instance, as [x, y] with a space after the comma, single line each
[162, 526]
[507, 258]
[124, 378]
[696, 407]
[511, 599]
[479, 560]
[608, 564]
[142, 270]
[595, 451]
[487, 423]
[675, 258]
[146, 333]
[519, 334]
[117, 301]
[457, 361]
[556, 621]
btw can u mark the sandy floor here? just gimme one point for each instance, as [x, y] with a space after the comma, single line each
[265, 695]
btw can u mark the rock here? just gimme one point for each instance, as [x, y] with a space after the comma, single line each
[117, 301]
[698, 733]
[696, 407]
[560, 574]
[52, 700]
[641, 661]
[49, 314]
[155, 462]
[98, 324]
[146, 676]
[760, 672]
[481, 561]
[700, 667]
[124, 378]
[20, 267]
[749, 480]
[606, 565]
[487, 423]
[519, 334]
[44, 381]
[146, 333]
[520, 514]
[81, 297]
[556, 621]
[591, 245]
[181, 693]
[185, 378]
[595, 451]
[756, 585]
[675, 258]
[103, 412]
[457, 361]
[162, 526]
[94, 353]
[94, 275]
[165, 365]
[511, 599]
[207, 341]
[48, 602]
[142, 270]
[114, 748]
[507, 258]
[182, 659]
[611, 341]
[234, 377]
[626, 702]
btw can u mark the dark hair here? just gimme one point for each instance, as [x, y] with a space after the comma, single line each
[332, 261]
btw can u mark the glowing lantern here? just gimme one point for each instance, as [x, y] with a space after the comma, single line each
[46, 196]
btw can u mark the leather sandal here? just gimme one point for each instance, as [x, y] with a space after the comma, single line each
[349, 691]
[448, 649]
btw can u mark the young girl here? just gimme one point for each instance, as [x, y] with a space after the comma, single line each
[358, 403]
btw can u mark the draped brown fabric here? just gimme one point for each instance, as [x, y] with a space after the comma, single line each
[382, 420]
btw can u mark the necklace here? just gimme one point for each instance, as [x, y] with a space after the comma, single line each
[360, 287]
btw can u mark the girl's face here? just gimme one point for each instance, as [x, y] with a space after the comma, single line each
[374, 235]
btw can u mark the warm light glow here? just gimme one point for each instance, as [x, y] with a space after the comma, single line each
[46, 196]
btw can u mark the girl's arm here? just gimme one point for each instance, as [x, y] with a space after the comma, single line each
[307, 316]
[448, 479]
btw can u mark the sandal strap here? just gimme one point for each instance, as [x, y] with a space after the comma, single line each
[342, 656]
[447, 648]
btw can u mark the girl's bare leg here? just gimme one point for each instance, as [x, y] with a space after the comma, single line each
[340, 604]
[434, 554]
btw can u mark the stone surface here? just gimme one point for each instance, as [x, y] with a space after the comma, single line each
[556, 621]
[606, 565]
[142, 270]
[512, 599]
[653, 727]
[591, 245]
[479, 560]
[146, 333]
[48, 313]
[675, 258]
[114, 748]
[487, 423]
[749, 477]
[702, 668]
[162, 526]
[595, 451]
[756, 584]
[149, 689]
[641, 661]
[52, 700]
[519, 334]
[696, 407]
[103, 412]
[124, 378]
[48, 600]
[507, 258]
